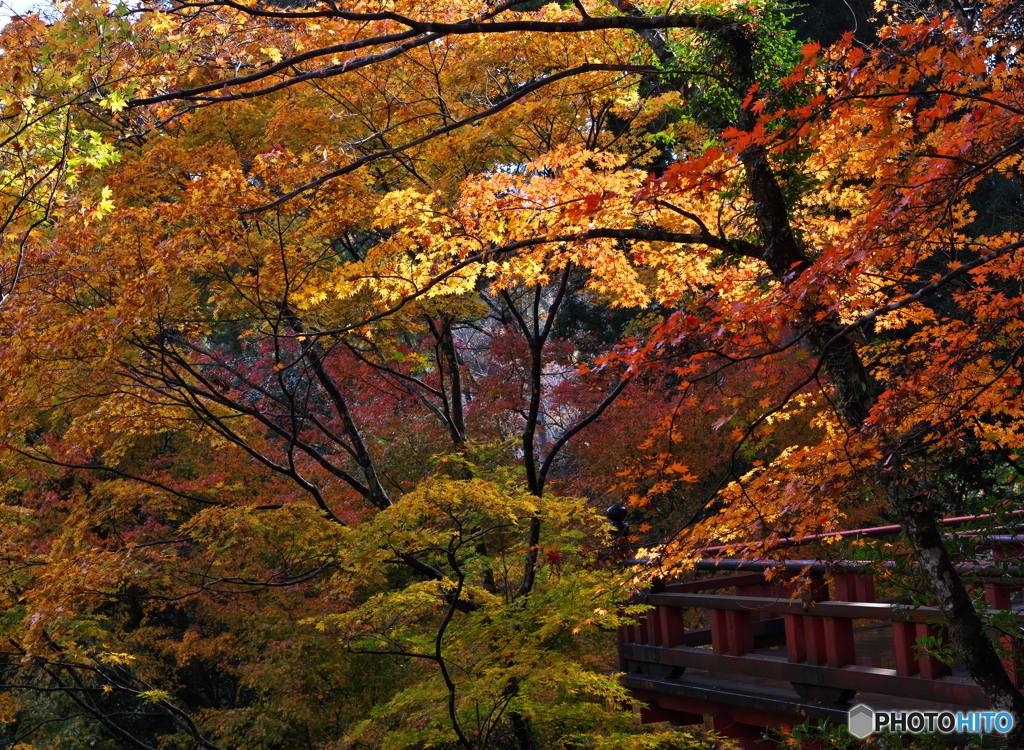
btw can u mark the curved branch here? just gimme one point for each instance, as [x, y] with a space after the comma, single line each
[740, 248]
[579, 426]
[481, 115]
[100, 467]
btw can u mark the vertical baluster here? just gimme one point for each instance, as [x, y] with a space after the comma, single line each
[817, 589]
[741, 632]
[839, 648]
[621, 639]
[640, 631]
[855, 587]
[866, 588]
[732, 632]
[796, 643]
[719, 632]
[673, 630]
[754, 589]
[653, 630]
[998, 597]
[814, 638]
[930, 667]
[903, 636]
[631, 632]
[845, 587]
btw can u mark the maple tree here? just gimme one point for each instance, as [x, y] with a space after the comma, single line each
[201, 440]
[296, 378]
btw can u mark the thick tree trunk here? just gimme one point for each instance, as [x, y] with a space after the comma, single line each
[786, 258]
[523, 731]
[965, 630]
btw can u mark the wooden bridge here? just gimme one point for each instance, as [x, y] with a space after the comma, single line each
[740, 654]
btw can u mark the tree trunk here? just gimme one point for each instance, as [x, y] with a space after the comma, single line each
[856, 396]
[964, 628]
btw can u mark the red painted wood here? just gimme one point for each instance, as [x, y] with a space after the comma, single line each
[930, 667]
[783, 606]
[817, 591]
[845, 585]
[855, 587]
[755, 589]
[1014, 663]
[796, 643]
[839, 648]
[818, 630]
[867, 679]
[653, 629]
[692, 706]
[903, 636]
[719, 632]
[712, 584]
[640, 631]
[998, 597]
[1008, 550]
[740, 631]
[655, 714]
[739, 728]
[621, 638]
[874, 531]
[865, 588]
[814, 637]
[672, 628]
[685, 711]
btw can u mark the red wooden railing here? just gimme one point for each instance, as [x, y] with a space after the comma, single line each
[726, 646]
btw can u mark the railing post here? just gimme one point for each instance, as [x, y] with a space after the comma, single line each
[839, 648]
[741, 632]
[807, 640]
[855, 587]
[903, 637]
[805, 634]
[621, 639]
[814, 638]
[1008, 549]
[653, 623]
[640, 631]
[719, 631]
[817, 588]
[997, 596]
[908, 661]
[732, 632]
[796, 643]
[930, 667]
[671, 626]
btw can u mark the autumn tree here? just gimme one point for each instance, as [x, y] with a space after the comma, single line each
[301, 343]
[891, 256]
[262, 403]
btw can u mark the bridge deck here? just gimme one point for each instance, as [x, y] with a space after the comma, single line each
[741, 654]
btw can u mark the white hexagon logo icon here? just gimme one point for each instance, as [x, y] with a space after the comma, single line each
[860, 721]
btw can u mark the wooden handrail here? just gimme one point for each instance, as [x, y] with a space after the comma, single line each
[870, 532]
[780, 606]
[870, 679]
[809, 608]
[999, 571]
[704, 584]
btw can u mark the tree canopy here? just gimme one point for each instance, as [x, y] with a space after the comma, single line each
[328, 331]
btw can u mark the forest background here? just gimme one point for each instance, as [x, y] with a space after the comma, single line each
[329, 331]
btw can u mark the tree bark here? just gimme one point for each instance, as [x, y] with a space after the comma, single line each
[964, 628]
[856, 396]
